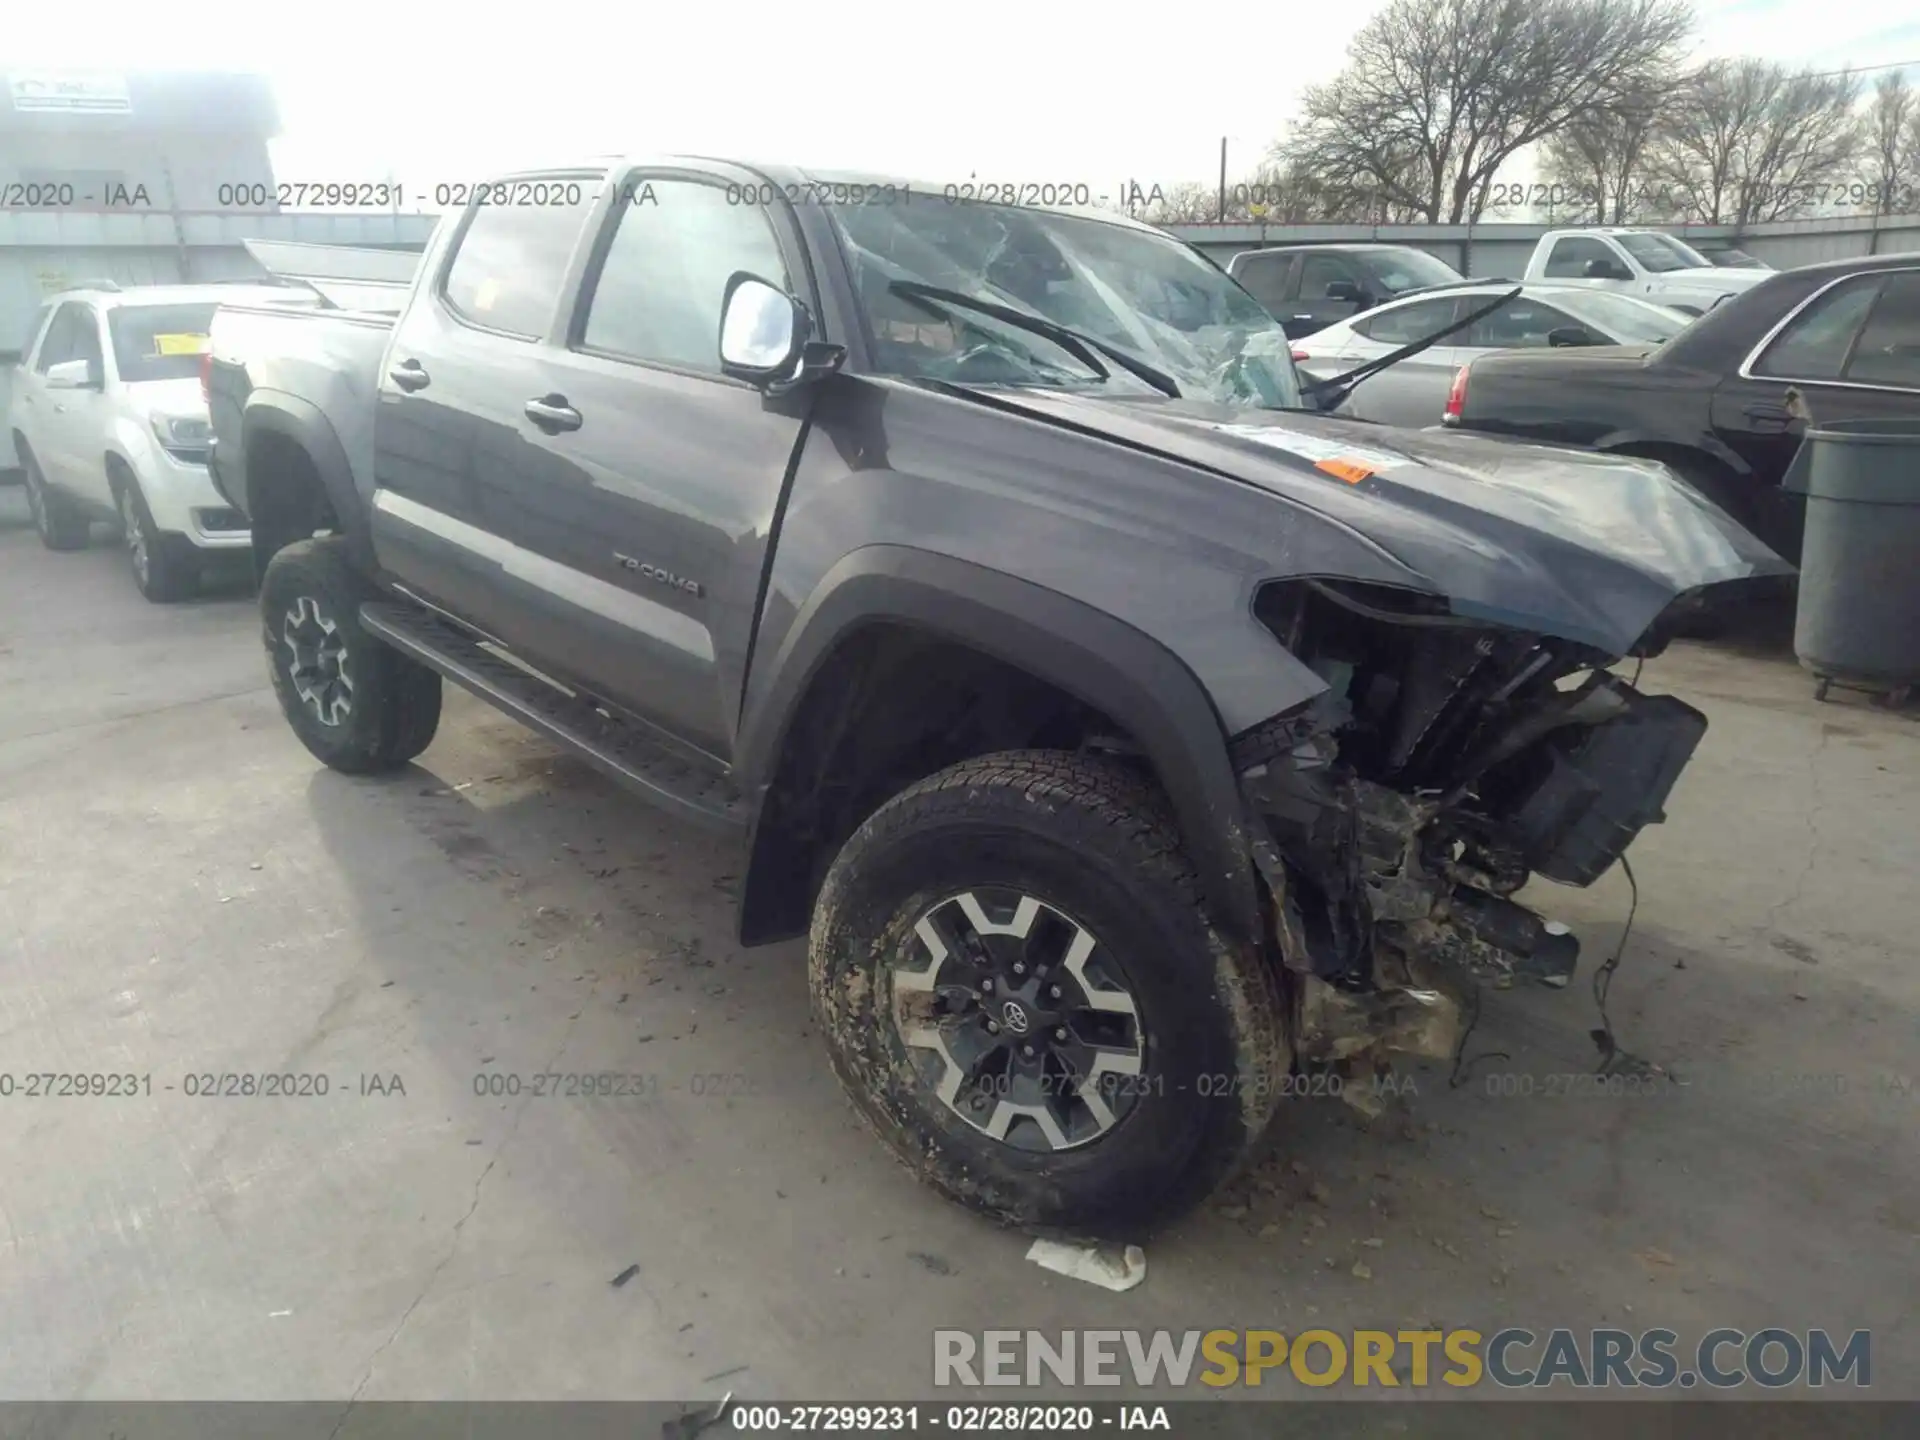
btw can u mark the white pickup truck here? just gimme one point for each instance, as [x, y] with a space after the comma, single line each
[1649, 263]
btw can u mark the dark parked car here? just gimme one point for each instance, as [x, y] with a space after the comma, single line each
[1306, 287]
[1120, 731]
[1712, 403]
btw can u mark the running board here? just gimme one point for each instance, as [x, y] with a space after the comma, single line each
[621, 749]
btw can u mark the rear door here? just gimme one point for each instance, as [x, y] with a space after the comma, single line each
[1852, 351]
[1411, 392]
[451, 438]
[656, 488]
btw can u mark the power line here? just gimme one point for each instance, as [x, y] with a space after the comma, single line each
[1862, 69]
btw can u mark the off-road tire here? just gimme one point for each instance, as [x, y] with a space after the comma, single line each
[1095, 842]
[56, 521]
[392, 707]
[163, 565]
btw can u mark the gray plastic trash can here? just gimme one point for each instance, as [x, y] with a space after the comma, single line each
[1858, 622]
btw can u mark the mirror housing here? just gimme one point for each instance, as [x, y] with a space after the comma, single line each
[1345, 290]
[74, 375]
[765, 337]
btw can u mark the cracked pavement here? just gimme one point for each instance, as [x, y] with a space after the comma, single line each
[187, 895]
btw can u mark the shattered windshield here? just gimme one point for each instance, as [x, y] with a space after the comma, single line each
[1137, 291]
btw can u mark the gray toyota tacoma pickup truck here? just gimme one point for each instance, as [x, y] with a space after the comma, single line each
[1126, 735]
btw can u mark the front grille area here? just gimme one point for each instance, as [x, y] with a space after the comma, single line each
[218, 519]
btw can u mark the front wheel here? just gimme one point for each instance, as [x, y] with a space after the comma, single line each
[163, 566]
[1023, 995]
[358, 705]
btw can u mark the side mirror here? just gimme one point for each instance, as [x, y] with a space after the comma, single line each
[74, 375]
[764, 337]
[1345, 290]
[1569, 335]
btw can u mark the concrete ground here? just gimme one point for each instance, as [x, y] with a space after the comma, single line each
[183, 891]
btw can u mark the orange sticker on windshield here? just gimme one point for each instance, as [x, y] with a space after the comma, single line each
[1343, 470]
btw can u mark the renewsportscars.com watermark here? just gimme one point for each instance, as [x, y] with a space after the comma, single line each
[1512, 1358]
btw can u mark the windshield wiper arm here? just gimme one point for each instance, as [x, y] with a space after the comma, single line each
[1330, 393]
[1075, 342]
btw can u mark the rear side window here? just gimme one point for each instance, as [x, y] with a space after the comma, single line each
[1570, 256]
[1405, 324]
[512, 259]
[1889, 349]
[1264, 276]
[1815, 346]
[1520, 325]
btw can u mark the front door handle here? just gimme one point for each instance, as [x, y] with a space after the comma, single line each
[409, 375]
[553, 414]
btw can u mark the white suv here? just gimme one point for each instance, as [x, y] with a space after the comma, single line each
[109, 419]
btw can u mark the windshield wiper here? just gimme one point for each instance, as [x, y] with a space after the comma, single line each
[1081, 346]
[1331, 393]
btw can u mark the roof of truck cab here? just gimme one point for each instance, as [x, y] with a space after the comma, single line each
[787, 173]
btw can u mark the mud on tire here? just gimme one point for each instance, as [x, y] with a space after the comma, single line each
[1093, 846]
[357, 704]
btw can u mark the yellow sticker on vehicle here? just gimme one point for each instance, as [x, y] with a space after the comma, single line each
[180, 344]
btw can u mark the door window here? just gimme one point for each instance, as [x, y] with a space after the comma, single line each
[512, 259]
[660, 288]
[73, 335]
[1519, 325]
[1405, 324]
[1317, 272]
[1265, 277]
[1815, 345]
[1570, 256]
[1888, 352]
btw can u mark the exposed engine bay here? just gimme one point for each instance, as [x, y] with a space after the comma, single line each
[1447, 763]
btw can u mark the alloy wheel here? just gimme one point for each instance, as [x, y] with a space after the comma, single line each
[317, 661]
[1028, 1030]
[136, 536]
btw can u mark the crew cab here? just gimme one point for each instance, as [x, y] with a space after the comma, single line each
[1723, 404]
[1121, 731]
[1649, 263]
[1308, 287]
[109, 423]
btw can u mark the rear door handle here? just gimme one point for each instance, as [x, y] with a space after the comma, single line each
[409, 375]
[1772, 417]
[553, 414]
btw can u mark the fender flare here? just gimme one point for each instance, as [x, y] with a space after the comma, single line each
[1100, 660]
[306, 425]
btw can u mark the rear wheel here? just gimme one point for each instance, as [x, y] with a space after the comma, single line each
[59, 524]
[1023, 996]
[358, 705]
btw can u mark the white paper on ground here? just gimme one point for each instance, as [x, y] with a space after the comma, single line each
[1112, 1267]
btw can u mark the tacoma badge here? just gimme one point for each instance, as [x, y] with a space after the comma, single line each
[655, 572]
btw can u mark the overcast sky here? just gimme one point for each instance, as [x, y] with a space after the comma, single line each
[1042, 90]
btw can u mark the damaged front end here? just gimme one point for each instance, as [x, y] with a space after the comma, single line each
[1397, 813]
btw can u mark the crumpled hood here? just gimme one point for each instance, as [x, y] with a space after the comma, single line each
[1572, 543]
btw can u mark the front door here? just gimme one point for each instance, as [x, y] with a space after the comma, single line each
[656, 478]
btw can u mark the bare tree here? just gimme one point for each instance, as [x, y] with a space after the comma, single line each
[1744, 141]
[1437, 95]
[1891, 152]
[1591, 171]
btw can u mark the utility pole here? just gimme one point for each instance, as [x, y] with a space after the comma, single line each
[1220, 214]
